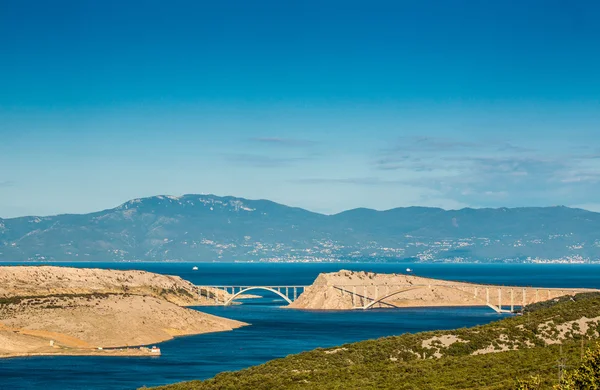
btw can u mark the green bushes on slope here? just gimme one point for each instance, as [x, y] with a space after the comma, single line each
[417, 361]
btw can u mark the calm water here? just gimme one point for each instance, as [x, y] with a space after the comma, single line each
[275, 332]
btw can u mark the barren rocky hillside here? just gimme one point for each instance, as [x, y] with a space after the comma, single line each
[103, 320]
[29, 281]
[59, 310]
[348, 289]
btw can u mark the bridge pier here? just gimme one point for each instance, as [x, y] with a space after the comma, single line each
[512, 301]
[500, 299]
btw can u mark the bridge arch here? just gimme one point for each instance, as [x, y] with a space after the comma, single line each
[405, 289]
[377, 300]
[234, 296]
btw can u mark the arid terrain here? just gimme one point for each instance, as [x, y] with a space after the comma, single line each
[345, 290]
[59, 310]
[25, 281]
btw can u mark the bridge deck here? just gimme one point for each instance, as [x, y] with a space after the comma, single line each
[230, 292]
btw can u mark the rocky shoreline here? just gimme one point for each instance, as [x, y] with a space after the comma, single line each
[75, 311]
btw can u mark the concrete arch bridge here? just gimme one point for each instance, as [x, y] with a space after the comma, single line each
[498, 298]
[230, 293]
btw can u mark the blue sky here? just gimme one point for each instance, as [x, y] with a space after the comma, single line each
[326, 105]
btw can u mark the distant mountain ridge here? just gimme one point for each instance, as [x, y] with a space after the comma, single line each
[213, 228]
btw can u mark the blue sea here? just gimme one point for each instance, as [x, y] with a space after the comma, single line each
[276, 332]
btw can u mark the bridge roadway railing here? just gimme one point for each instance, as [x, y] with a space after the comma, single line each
[288, 293]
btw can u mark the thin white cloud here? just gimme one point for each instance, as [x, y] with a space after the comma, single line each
[362, 181]
[284, 142]
[263, 161]
[490, 173]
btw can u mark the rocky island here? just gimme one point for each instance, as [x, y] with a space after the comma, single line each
[76, 311]
[346, 290]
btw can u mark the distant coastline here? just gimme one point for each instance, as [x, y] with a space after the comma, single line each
[332, 261]
[198, 227]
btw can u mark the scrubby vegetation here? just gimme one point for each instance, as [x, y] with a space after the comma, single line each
[26, 300]
[545, 304]
[586, 376]
[517, 351]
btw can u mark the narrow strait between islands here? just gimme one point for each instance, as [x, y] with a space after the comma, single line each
[159, 306]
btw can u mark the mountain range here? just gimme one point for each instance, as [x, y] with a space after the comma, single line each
[212, 228]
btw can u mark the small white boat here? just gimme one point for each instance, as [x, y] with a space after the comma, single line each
[195, 268]
[408, 270]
